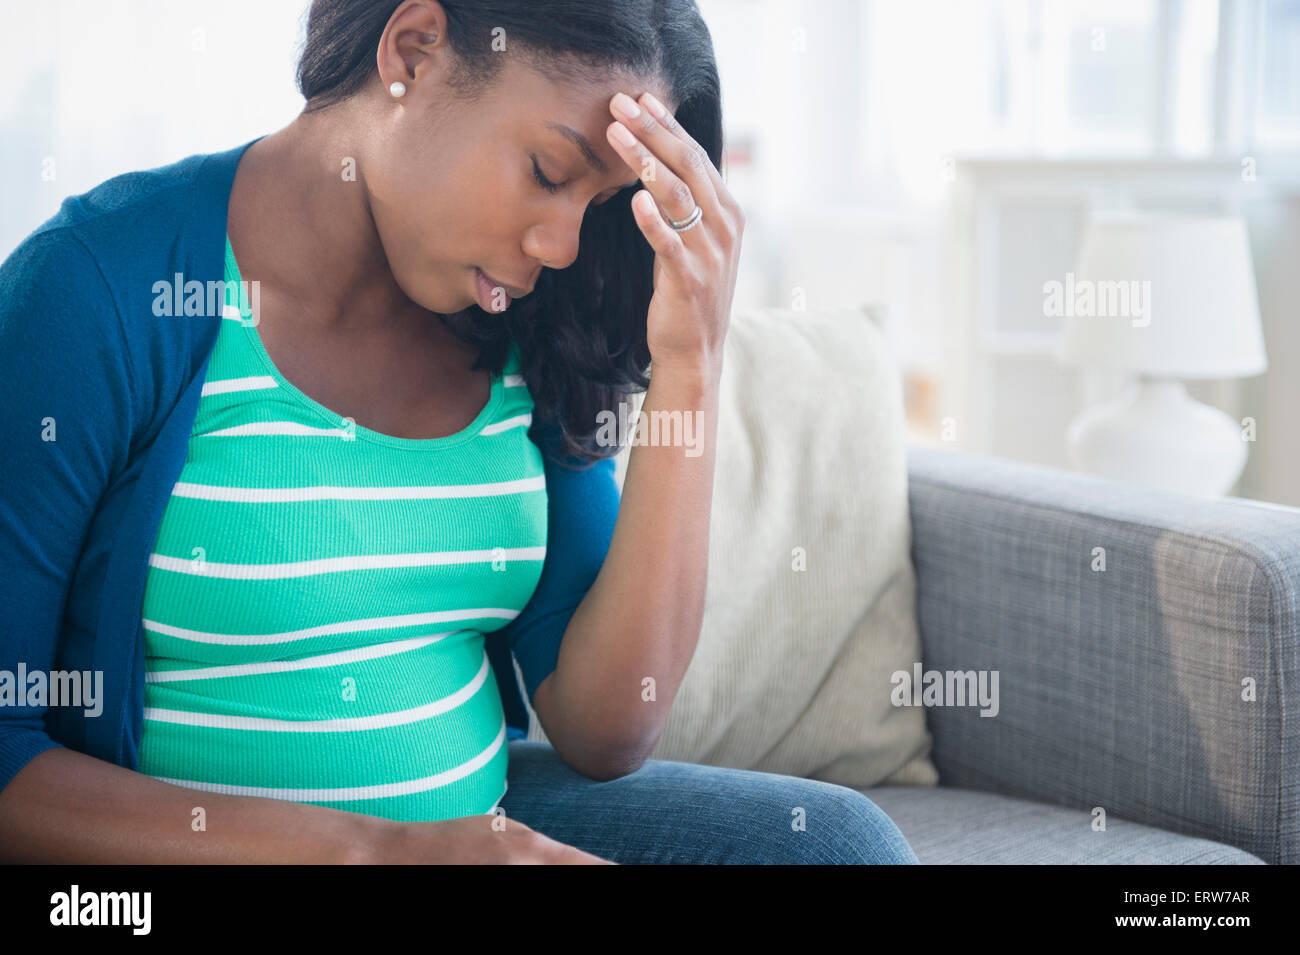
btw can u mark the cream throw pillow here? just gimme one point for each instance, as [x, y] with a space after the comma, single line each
[792, 671]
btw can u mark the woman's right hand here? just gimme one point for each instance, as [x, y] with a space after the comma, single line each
[472, 840]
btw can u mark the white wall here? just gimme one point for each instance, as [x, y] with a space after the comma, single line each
[93, 88]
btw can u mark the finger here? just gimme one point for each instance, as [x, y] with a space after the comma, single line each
[579, 857]
[565, 854]
[659, 130]
[666, 241]
[699, 153]
[674, 196]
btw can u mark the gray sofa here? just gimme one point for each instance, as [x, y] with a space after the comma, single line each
[1119, 688]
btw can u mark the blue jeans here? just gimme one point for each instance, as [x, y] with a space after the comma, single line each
[682, 813]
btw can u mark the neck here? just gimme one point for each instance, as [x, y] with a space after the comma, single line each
[306, 221]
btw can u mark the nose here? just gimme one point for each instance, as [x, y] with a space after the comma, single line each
[554, 242]
[551, 249]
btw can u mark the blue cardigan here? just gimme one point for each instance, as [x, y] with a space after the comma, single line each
[97, 399]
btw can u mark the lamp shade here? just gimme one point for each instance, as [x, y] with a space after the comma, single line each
[1162, 295]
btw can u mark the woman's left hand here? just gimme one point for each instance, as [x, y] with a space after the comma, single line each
[694, 270]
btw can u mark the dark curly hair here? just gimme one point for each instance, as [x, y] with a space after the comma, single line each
[582, 332]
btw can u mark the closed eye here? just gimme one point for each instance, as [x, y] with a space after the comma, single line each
[542, 181]
[554, 187]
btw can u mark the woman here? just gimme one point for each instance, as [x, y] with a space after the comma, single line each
[470, 243]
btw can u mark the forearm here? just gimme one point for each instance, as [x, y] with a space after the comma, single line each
[641, 618]
[67, 807]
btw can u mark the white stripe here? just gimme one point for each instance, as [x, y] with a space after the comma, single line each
[518, 421]
[345, 724]
[306, 663]
[513, 381]
[232, 312]
[278, 427]
[329, 629]
[330, 565]
[327, 492]
[252, 383]
[355, 792]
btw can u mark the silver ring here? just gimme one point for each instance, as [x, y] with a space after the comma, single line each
[689, 222]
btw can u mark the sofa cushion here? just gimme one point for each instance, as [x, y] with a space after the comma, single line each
[811, 601]
[1148, 645]
[948, 826]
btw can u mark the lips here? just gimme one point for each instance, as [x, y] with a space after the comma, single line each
[514, 291]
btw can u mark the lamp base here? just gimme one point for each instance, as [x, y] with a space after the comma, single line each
[1157, 435]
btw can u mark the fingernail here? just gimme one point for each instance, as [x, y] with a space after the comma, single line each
[655, 107]
[622, 134]
[626, 106]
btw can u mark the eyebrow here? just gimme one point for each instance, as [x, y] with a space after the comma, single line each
[584, 146]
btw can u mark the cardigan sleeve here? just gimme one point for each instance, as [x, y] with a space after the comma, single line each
[66, 427]
[582, 505]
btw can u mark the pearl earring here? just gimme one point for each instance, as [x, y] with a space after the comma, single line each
[398, 89]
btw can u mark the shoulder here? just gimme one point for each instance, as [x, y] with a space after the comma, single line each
[109, 234]
[137, 224]
[85, 278]
[54, 295]
[119, 216]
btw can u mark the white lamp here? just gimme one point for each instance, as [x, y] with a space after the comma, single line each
[1165, 297]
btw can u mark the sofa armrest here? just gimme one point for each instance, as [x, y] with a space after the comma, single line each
[1124, 687]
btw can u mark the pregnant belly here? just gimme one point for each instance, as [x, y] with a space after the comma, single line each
[412, 730]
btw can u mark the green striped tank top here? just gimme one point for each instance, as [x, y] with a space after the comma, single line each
[318, 594]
